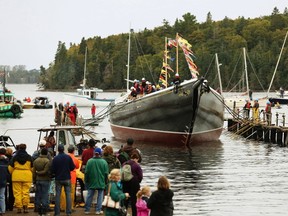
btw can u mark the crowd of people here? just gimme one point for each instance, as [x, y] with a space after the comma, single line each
[66, 114]
[255, 111]
[102, 170]
[145, 87]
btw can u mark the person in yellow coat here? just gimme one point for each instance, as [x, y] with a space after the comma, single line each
[255, 109]
[20, 169]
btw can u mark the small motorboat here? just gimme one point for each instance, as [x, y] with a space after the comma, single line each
[42, 103]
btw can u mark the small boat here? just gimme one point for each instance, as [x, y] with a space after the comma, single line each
[27, 103]
[42, 103]
[186, 113]
[85, 97]
[279, 99]
[9, 108]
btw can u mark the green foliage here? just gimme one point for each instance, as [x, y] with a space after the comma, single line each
[107, 57]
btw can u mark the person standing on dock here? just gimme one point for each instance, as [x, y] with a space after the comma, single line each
[268, 112]
[246, 109]
[93, 110]
[255, 111]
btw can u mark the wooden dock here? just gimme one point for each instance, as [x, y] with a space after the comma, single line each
[259, 131]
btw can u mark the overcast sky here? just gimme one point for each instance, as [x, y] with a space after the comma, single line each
[31, 29]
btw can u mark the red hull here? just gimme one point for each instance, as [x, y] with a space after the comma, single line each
[143, 135]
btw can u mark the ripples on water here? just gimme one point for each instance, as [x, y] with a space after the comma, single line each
[230, 177]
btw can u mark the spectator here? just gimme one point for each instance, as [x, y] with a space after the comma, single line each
[41, 177]
[142, 199]
[9, 196]
[96, 176]
[71, 151]
[160, 202]
[20, 168]
[88, 153]
[133, 186]
[129, 149]
[115, 191]
[62, 165]
[111, 159]
[37, 153]
[3, 178]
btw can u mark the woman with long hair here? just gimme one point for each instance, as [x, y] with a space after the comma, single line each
[160, 201]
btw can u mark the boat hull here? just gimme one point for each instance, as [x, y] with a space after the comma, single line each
[10, 111]
[26, 105]
[164, 116]
[278, 100]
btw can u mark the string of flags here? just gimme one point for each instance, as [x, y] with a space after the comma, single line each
[188, 53]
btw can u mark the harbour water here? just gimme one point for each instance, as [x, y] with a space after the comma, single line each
[232, 176]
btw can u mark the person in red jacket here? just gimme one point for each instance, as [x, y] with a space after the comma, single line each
[93, 110]
[88, 153]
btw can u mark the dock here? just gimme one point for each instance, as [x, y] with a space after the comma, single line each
[260, 129]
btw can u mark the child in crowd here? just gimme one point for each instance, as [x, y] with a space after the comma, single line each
[142, 197]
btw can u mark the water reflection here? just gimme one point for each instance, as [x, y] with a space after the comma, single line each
[189, 170]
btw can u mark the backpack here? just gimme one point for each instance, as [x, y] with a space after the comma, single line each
[123, 157]
[126, 172]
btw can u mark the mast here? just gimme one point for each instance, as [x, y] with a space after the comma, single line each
[177, 53]
[246, 72]
[277, 63]
[85, 66]
[128, 60]
[219, 75]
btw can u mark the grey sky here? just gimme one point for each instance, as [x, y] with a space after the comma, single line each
[31, 29]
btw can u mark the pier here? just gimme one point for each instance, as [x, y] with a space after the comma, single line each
[260, 129]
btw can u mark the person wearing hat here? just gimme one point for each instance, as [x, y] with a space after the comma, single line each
[143, 86]
[96, 177]
[88, 153]
[62, 165]
[20, 168]
[133, 93]
[41, 178]
[36, 154]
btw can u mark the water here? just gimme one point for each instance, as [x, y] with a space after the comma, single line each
[232, 176]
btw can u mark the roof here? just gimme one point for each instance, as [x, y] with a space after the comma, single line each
[68, 127]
